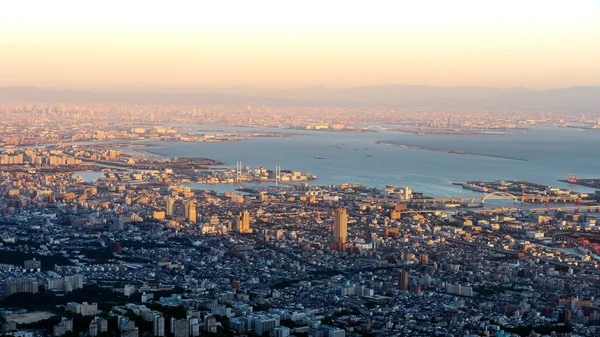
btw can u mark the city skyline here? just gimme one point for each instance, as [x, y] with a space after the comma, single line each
[402, 168]
[145, 47]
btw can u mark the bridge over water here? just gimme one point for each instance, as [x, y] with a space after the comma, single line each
[483, 198]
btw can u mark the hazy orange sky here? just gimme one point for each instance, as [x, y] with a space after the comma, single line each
[140, 45]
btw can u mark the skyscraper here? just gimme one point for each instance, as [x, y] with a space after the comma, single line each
[340, 228]
[242, 223]
[186, 208]
[191, 212]
[170, 204]
[402, 280]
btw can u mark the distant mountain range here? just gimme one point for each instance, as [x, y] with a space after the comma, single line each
[575, 99]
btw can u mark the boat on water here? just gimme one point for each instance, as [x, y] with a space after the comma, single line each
[319, 157]
[369, 155]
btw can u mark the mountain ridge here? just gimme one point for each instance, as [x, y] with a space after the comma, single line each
[582, 98]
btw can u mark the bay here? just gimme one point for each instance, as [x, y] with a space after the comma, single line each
[547, 154]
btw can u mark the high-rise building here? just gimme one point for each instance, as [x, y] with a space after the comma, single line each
[180, 327]
[93, 329]
[281, 331]
[65, 325]
[85, 309]
[159, 326]
[192, 212]
[186, 208]
[20, 285]
[426, 281]
[340, 228]
[66, 284]
[265, 323]
[402, 280]
[242, 223]
[97, 326]
[170, 204]
[566, 316]
[209, 322]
